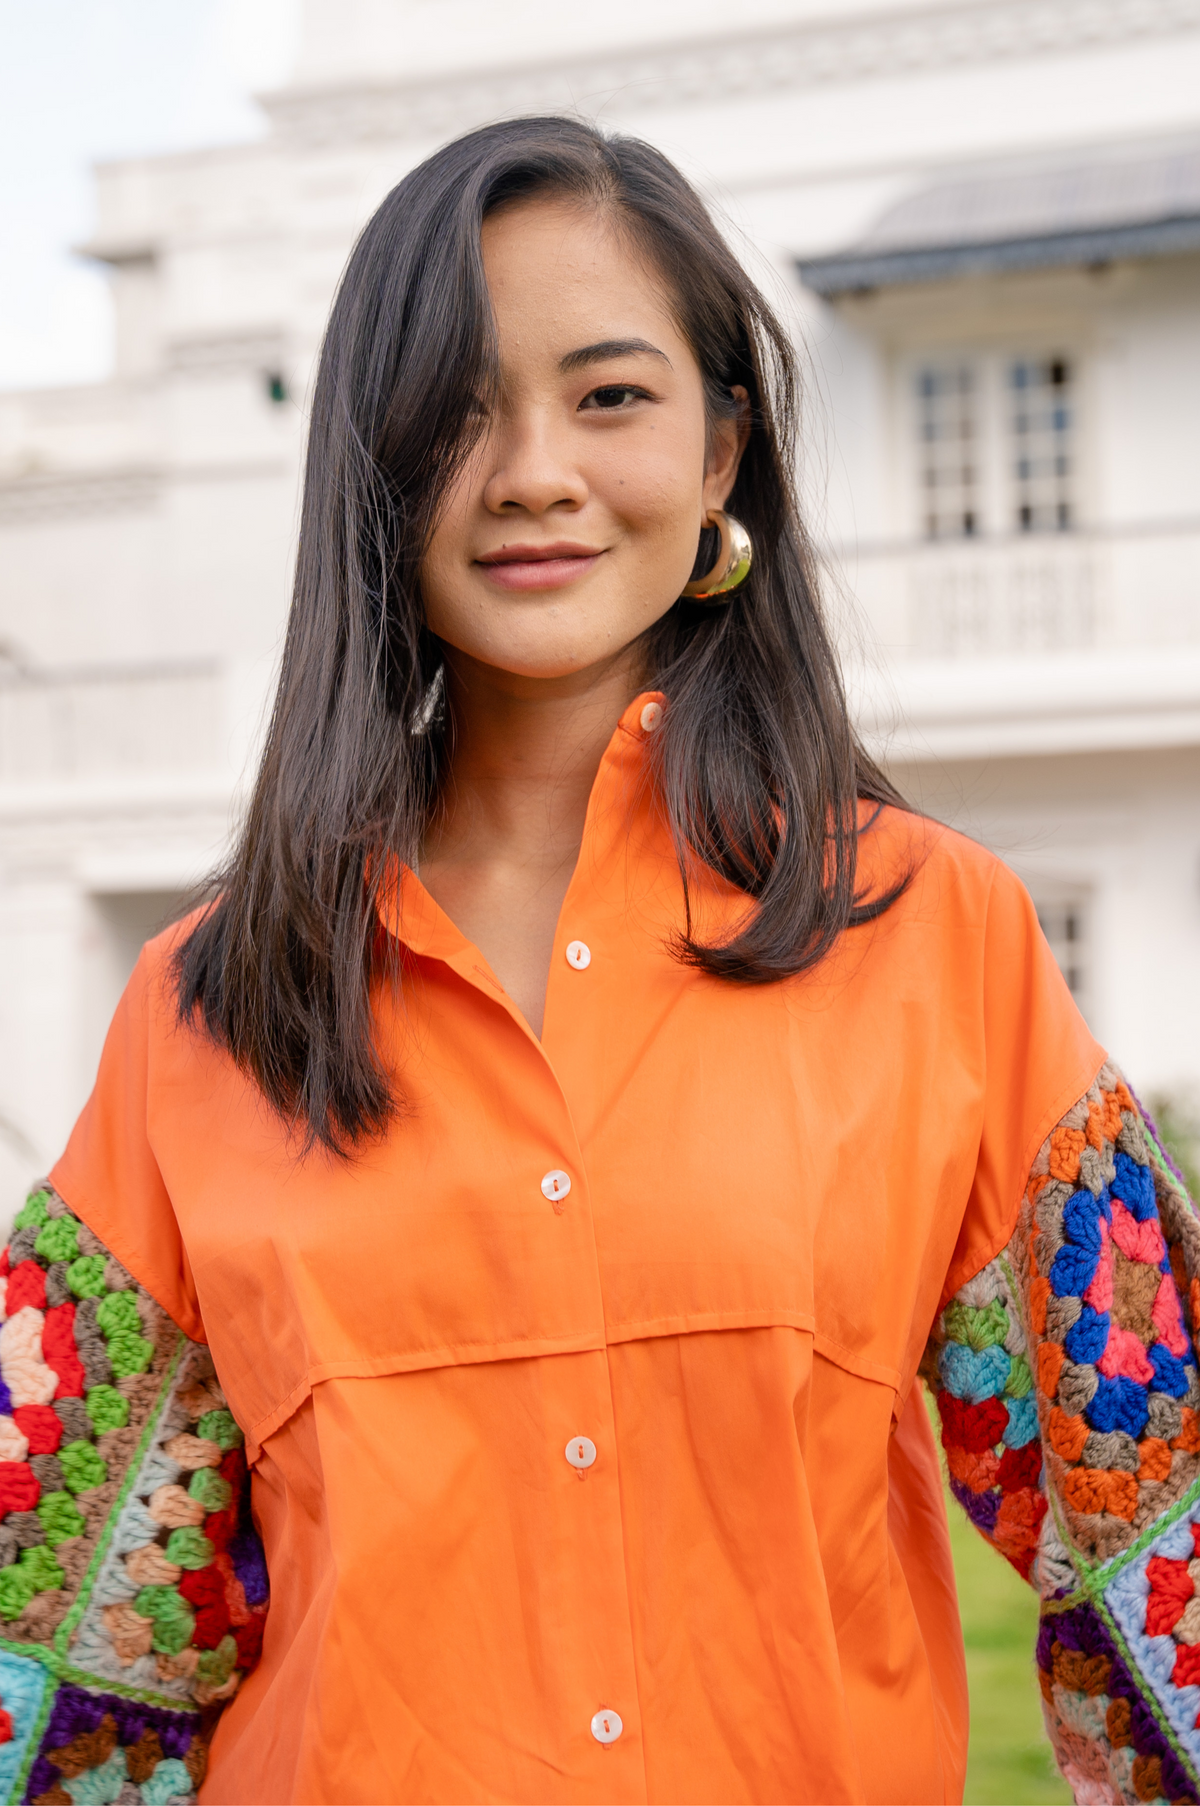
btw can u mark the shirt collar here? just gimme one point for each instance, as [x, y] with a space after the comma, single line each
[409, 913]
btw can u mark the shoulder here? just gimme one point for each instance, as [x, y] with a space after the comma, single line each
[941, 866]
[153, 984]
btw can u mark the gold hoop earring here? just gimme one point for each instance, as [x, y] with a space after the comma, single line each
[735, 555]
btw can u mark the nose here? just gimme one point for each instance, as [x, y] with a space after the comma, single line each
[532, 470]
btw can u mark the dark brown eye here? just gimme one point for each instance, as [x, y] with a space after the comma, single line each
[613, 395]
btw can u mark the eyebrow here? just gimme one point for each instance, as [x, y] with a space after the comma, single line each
[609, 348]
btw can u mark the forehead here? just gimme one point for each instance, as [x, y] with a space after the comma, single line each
[556, 267]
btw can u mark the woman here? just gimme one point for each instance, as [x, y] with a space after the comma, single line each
[585, 1100]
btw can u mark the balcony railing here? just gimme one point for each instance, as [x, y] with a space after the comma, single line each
[1032, 594]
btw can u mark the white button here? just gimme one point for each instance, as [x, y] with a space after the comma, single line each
[581, 1451]
[579, 955]
[651, 716]
[607, 1727]
[556, 1185]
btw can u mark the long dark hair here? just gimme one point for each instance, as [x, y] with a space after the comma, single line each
[757, 767]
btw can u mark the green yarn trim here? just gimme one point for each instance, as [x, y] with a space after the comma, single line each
[82, 1467]
[219, 1427]
[85, 1276]
[107, 1408]
[979, 1326]
[188, 1547]
[59, 1240]
[61, 1517]
[208, 1489]
[129, 1353]
[216, 1665]
[34, 1571]
[173, 1618]
[33, 1214]
[118, 1314]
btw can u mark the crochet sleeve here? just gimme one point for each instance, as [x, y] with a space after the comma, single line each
[1066, 1380]
[133, 1590]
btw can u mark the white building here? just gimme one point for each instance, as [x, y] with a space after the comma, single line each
[986, 214]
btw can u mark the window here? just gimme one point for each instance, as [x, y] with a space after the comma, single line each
[996, 445]
[1064, 924]
[1040, 390]
[948, 395]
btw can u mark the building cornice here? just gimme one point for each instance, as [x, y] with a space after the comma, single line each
[732, 65]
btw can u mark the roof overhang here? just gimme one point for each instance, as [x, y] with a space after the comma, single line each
[855, 273]
[1027, 218]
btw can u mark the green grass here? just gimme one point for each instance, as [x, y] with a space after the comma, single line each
[1010, 1762]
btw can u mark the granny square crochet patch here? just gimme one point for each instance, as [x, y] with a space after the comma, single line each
[133, 1588]
[1155, 1605]
[1069, 1395]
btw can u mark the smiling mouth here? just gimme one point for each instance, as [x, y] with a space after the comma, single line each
[526, 567]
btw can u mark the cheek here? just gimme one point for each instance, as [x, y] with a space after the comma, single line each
[654, 483]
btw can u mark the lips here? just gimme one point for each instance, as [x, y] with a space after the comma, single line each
[531, 567]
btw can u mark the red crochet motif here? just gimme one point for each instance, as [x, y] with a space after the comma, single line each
[1170, 1589]
[58, 1351]
[1020, 1467]
[972, 1427]
[42, 1427]
[19, 1490]
[26, 1285]
[249, 1637]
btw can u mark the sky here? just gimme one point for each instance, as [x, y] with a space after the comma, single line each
[86, 80]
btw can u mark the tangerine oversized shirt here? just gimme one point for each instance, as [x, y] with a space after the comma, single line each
[699, 1227]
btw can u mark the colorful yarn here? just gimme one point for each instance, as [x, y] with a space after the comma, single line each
[208, 1489]
[107, 1409]
[129, 1353]
[19, 1490]
[1103, 1276]
[85, 1276]
[61, 1517]
[168, 1611]
[82, 1467]
[26, 1287]
[58, 1350]
[189, 1548]
[79, 1328]
[59, 1240]
[219, 1427]
[33, 1213]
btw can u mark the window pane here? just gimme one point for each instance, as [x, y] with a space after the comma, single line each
[948, 435]
[1041, 422]
[1064, 924]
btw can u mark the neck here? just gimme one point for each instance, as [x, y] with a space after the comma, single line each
[524, 756]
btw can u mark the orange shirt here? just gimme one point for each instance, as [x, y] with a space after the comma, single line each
[700, 1229]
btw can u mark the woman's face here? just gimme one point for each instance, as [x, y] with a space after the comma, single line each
[574, 524]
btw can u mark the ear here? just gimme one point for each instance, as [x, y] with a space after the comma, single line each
[727, 443]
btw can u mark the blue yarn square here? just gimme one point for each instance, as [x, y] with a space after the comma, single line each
[1087, 1337]
[1073, 1269]
[1022, 1421]
[1118, 1404]
[1169, 1374]
[1134, 1185]
[23, 1686]
[1081, 1219]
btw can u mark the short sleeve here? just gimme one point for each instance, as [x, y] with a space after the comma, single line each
[108, 1175]
[1039, 1059]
